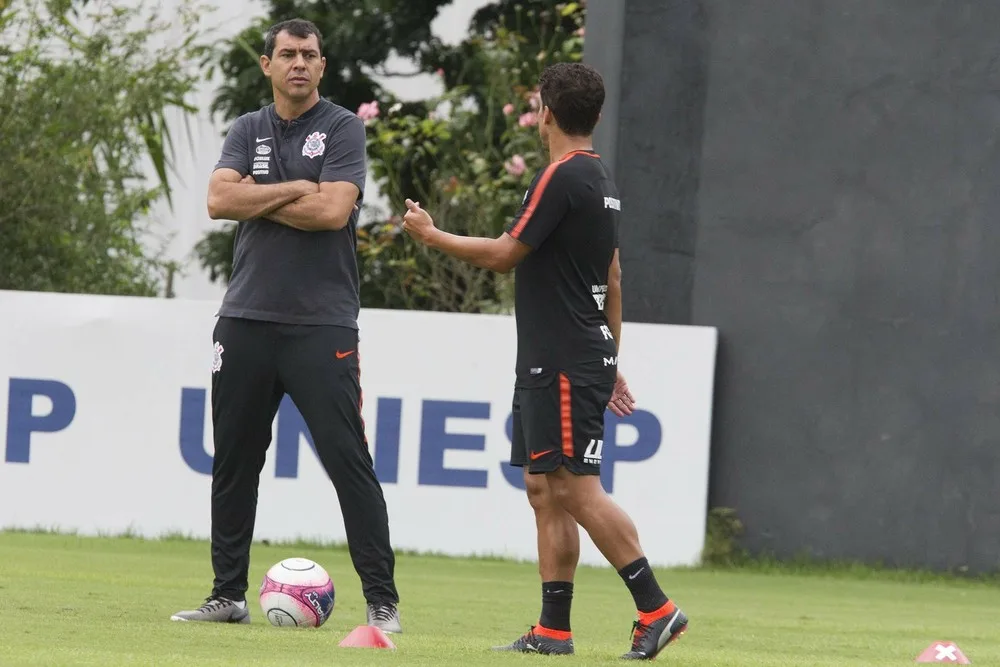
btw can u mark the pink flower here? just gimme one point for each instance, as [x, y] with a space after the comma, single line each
[515, 166]
[528, 119]
[535, 100]
[508, 109]
[368, 111]
[439, 72]
[579, 33]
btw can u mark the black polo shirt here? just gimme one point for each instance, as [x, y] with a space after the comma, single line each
[281, 274]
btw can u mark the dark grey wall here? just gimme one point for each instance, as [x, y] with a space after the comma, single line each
[603, 50]
[651, 137]
[847, 246]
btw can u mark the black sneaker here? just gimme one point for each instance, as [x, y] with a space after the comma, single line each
[649, 640]
[533, 643]
[216, 610]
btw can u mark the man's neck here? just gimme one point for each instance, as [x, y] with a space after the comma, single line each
[561, 145]
[291, 109]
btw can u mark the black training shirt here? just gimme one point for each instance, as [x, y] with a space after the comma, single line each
[281, 274]
[569, 217]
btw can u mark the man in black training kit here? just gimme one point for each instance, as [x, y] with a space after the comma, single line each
[293, 173]
[564, 243]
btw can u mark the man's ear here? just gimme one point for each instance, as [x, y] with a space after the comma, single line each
[265, 65]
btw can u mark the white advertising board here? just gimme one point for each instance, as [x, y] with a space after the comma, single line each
[106, 420]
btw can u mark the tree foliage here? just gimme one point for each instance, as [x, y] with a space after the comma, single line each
[467, 155]
[545, 30]
[84, 95]
[468, 162]
[358, 37]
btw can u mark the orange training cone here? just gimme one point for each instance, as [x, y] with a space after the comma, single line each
[367, 636]
[946, 652]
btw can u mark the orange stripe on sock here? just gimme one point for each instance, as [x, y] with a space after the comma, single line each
[542, 631]
[648, 617]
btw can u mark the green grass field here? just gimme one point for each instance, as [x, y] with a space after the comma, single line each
[99, 601]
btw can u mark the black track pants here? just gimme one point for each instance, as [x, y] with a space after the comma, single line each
[318, 367]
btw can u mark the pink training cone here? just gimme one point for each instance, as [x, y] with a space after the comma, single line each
[946, 652]
[367, 636]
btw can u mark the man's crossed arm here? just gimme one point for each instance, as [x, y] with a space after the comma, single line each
[302, 205]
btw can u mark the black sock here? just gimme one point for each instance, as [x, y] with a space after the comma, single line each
[557, 596]
[648, 595]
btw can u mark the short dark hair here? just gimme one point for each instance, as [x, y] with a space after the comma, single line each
[575, 94]
[296, 28]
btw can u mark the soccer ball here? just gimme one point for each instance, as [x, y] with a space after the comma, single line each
[297, 592]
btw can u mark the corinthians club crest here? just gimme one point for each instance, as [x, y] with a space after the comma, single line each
[314, 145]
[217, 358]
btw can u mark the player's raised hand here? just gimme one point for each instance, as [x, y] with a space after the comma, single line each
[417, 222]
[622, 402]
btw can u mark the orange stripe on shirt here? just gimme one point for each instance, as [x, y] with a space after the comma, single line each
[565, 415]
[536, 196]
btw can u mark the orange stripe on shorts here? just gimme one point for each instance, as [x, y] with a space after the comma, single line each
[566, 415]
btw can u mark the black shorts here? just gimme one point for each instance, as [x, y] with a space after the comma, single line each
[557, 424]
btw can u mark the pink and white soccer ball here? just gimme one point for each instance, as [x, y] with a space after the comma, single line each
[297, 592]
